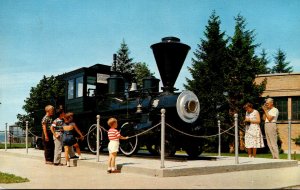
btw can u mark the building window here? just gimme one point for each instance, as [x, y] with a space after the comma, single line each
[282, 105]
[79, 87]
[295, 108]
[71, 89]
[91, 86]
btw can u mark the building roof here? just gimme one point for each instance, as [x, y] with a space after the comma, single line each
[280, 84]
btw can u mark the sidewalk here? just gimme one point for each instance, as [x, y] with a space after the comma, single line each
[138, 173]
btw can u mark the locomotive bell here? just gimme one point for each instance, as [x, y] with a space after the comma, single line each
[133, 87]
[169, 56]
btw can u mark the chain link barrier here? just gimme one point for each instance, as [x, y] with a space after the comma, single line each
[208, 136]
[128, 136]
[144, 131]
[175, 129]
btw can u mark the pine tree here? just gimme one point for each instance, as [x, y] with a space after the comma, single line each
[207, 71]
[124, 64]
[281, 66]
[244, 65]
[264, 61]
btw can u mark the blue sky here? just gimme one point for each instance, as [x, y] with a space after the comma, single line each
[50, 37]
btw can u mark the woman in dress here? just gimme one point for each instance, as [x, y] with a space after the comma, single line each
[253, 135]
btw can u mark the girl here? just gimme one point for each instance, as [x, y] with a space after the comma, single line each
[68, 136]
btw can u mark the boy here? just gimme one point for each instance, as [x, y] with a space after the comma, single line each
[113, 145]
[47, 135]
[57, 130]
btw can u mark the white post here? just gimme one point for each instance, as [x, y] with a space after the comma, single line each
[236, 146]
[5, 136]
[98, 136]
[26, 137]
[162, 143]
[289, 139]
[219, 150]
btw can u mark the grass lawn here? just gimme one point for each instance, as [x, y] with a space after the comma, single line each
[260, 155]
[11, 178]
[14, 145]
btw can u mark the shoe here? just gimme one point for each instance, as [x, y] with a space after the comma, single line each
[58, 164]
[68, 164]
[108, 171]
[74, 157]
[81, 158]
[115, 171]
[48, 162]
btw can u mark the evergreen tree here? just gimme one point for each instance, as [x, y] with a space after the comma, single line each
[124, 64]
[281, 66]
[141, 71]
[264, 61]
[244, 65]
[208, 72]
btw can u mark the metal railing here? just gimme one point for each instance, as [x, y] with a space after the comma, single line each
[163, 124]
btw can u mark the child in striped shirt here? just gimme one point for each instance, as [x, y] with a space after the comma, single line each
[113, 145]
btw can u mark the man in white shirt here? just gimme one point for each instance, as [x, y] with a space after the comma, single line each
[270, 116]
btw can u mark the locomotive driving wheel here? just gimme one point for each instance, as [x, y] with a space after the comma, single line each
[193, 150]
[92, 138]
[130, 146]
[153, 149]
[170, 148]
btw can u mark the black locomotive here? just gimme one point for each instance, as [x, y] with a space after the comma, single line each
[99, 91]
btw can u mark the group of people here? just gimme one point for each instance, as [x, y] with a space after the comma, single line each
[57, 134]
[61, 133]
[253, 135]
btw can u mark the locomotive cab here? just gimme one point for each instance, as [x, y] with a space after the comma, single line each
[83, 86]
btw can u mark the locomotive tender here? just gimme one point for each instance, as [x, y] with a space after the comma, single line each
[99, 91]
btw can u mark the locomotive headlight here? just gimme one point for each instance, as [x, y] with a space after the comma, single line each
[191, 106]
[188, 106]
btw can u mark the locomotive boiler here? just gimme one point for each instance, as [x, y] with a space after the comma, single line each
[99, 91]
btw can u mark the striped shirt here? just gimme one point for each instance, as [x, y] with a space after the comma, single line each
[113, 134]
[58, 124]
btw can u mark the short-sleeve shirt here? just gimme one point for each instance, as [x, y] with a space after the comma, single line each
[48, 121]
[273, 112]
[58, 124]
[113, 134]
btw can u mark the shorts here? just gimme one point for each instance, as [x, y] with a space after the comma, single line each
[69, 140]
[113, 146]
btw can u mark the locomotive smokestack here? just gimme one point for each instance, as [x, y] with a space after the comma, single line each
[169, 55]
[114, 67]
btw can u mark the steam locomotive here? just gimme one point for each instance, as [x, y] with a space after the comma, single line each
[99, 91]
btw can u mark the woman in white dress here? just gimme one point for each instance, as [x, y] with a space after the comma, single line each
[253, 135]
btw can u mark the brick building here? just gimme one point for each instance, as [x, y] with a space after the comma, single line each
[284, 88]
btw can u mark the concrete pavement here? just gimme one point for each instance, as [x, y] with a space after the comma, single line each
[137, 173]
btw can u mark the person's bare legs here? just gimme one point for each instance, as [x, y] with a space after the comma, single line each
[77, 149]
[67, 155]
[254, 152]
[250, 152]
[109, 162]
[113, 161]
